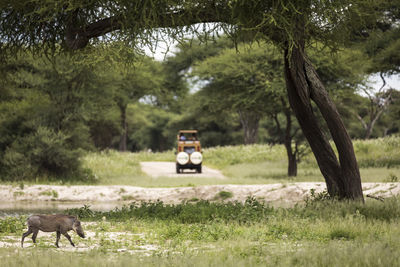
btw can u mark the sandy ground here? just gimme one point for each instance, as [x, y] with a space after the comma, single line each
[168, 169]
[284, 193]
[91, 241]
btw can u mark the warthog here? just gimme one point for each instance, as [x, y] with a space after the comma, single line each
[53, 223]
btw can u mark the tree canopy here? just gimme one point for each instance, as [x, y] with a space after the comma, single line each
[75, 24]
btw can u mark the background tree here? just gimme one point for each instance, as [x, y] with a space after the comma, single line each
[382, 47]
[240, 82]
[44, 115]
[377, 104]
[143, 78]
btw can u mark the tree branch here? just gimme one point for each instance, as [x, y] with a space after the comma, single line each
[383, 80]
[364, 124]
[77, 38]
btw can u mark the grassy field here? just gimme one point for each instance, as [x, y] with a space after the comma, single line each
[322, 233]
[379, 161]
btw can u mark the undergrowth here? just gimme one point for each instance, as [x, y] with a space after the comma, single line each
[316, 207]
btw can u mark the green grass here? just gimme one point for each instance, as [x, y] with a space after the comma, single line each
[52, 193]
[379, 161]
[223, 195]
[254, 164]
[322, 233]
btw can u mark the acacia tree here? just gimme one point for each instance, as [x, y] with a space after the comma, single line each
[383, 49]
[378, 102]
[143, 77]
[240, 82]
[248, 81]
[291, 25]
[287, 133]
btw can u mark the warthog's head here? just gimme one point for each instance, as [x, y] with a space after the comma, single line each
[77, 227]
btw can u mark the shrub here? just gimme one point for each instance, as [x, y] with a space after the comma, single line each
[340, 233]
[83, 212]
[43, 153]
[199, 212]
[332, 208]
[223, 195]
[12, 224]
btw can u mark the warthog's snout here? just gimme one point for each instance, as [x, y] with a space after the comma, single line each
[77, 227]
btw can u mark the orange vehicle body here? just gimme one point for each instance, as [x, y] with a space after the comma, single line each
[191, 141]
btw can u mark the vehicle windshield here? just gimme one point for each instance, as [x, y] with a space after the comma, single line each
[189, 149]
[187, 137]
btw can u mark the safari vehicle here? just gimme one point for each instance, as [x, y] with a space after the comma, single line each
[189, 155]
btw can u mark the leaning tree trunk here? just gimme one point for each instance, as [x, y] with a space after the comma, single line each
[250, 122]
[303, 84]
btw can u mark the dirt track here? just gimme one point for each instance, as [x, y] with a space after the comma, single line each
[167, 169]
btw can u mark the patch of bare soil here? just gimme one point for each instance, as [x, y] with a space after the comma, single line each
[289, 193]
[127, 242]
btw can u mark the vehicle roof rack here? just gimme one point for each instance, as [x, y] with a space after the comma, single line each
[187, 131]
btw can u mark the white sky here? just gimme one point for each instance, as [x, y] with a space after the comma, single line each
[391, 81]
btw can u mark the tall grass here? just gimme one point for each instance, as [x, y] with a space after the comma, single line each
[251, 210]
[380, 152]
[221, 157]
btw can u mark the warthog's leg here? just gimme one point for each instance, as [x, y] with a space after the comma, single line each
[35, 233]
[69, 238]
[58, 238]
[25, 235]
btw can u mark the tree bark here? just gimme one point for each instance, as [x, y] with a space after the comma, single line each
[303, 84]
[292, 161]
[292, 165]
[250, 124]
[286, 138]
[124, 126]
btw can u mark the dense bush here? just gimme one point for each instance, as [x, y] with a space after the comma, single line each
[43, 118]
[42, 153]
[200, 212]
[12, 224]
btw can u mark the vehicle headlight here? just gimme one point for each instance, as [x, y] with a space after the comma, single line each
[196, 158]
[182, 158]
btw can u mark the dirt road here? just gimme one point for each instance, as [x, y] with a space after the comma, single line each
[167, 169]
